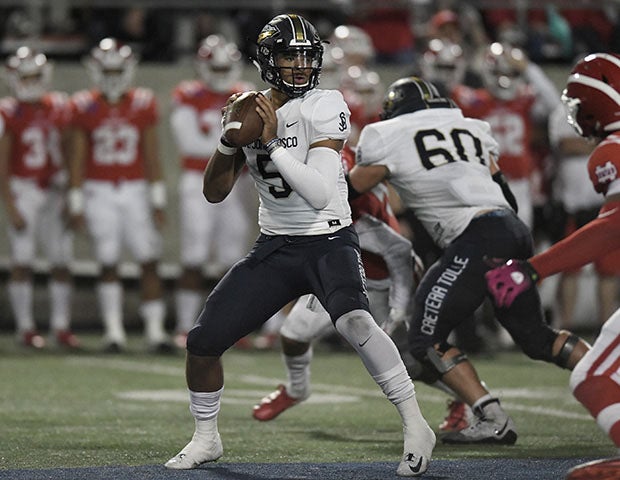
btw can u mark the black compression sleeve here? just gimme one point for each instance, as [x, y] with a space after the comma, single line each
[499, 178]
[353, 194]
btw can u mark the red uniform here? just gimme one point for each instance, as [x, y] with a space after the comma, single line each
[207, 104]
[35, 131]
[510, 122]
[114, 132]
[375, 203]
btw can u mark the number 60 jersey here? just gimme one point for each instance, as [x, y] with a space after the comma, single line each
[438, 162]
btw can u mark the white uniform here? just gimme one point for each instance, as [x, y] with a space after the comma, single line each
[414, 145]
[317, 115]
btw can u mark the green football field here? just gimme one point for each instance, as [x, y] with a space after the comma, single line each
[90, 409]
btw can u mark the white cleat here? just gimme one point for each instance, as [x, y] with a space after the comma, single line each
[415, 464]
[412, 465]
[197, 452]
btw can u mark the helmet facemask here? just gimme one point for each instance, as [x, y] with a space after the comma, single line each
[218, 63]
[28, 74]
[112, 68]
[288, 46]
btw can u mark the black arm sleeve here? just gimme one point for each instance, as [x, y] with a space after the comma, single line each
[499, 178]
[353, 194]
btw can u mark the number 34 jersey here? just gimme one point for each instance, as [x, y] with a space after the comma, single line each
[315, 116]
[438, 162]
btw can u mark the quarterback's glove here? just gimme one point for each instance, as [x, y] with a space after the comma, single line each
[508, 281]
[397, 316]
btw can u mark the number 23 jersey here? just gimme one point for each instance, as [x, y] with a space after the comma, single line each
[315, 116]
[438, 163]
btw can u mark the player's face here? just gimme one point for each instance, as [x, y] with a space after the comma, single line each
[296, 67]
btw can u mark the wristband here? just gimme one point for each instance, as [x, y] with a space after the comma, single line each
[226, 148]
[272, 145]
[157, 194]
[75, 201]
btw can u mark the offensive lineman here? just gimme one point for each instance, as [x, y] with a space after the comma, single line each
[307, 243]
[443, 167]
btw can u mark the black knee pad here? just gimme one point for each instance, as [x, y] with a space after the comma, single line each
[538, 345]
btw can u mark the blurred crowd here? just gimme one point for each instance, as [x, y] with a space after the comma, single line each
[486, 60]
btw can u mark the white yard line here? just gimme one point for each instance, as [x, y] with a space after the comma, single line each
[322, 392]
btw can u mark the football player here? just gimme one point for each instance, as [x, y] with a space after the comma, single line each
[33, 183]
[592, 97]
[442, 165]
[307, 243]
[219, 233]
[516, 100]
[387, 258]
[116, 187]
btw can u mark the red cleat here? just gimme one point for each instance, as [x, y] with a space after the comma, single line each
[606, 469]
[32, 339]
[457, 417]
[66, 339]
[274, 404]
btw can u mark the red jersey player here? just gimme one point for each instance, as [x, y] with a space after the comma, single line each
[218, 233]
[592, 96]
[117, 187]
[516, 98]
[32, 182]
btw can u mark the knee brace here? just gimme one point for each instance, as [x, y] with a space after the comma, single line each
[570, 341]
[434, 366]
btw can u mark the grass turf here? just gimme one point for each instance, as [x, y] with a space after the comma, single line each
[89, 409]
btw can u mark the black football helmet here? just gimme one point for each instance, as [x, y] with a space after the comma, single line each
[288, 33]
[411, 94]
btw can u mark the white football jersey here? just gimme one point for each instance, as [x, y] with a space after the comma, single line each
[317, 115]
[438, 163]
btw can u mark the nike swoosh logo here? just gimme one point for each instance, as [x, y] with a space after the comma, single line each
[333, 238]
[501, 430]
[417, 468]
[364, 342]
[289, 125]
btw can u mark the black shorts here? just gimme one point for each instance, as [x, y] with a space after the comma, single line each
[455, 286]
[280, 269]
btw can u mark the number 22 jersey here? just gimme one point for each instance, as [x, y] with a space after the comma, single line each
[438, 163]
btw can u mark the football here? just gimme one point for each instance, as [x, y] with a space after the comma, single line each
[242, 124]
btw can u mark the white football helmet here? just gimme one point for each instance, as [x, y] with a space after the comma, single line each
[218, 63]
[499, 70]
[444, 62]
[28, 74]
[354, 43]
[367, 85]
[331, 68]
[112, 67]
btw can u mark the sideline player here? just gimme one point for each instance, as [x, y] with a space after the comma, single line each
[33, 181]
[218, 233]
[592, 96]
[442, 165]
[116, 186]
[307, 243]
